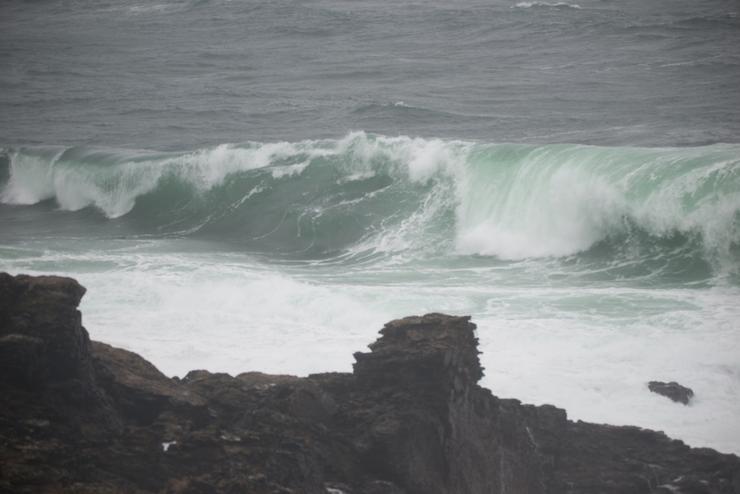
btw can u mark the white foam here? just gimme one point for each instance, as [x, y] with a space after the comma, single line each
[289, 171]
[114, 185]
[597, 367]
[590, 350]
[512, 202]
[558, 201]
[30, 179]
[543, 215]
[182, 314]
[166, 445]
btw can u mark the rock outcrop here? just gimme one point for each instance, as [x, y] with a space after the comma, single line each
[84, 417]
[672, 390]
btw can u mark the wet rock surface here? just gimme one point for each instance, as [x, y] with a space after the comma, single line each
[84, 417]
[672, 390]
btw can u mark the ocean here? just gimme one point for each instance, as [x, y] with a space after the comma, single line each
[248, 185]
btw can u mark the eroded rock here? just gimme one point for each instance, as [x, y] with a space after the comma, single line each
[81, 416]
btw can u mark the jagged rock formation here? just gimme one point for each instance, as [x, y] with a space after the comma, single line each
[84, 417]
[672, 390]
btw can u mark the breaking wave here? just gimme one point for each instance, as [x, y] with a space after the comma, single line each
[369, 193]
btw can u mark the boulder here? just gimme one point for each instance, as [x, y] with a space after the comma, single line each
[672, 390]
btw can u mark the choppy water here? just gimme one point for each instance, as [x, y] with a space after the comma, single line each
[248, 185]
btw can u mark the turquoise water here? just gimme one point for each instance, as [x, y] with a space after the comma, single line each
[589, 270]
[249, 185]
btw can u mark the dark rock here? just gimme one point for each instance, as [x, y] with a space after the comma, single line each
[140, 391]
[85, 417]
[45, 351]
[53, 409]
[40, 323]
[309, 402]
[424, 421]
[433, 352]
[672, 390]
[259, 379]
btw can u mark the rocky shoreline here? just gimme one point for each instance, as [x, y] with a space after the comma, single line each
[80, 416]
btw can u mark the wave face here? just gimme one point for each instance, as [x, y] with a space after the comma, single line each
[373, 194]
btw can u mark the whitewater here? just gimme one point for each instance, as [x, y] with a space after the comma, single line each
[589, 270]
[248, 185]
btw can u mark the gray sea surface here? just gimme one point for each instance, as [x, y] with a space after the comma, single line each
[182, 74]
[248, 185]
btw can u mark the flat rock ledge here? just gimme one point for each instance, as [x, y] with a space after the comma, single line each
[85, 417]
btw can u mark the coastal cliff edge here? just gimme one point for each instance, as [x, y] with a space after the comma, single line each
[80, 416]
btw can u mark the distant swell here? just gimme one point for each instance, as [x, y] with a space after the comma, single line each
[375, 194]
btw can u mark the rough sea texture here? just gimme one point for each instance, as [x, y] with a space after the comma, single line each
[260, 185]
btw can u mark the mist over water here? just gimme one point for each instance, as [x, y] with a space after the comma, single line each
[260, 186]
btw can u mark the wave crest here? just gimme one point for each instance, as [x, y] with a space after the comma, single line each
[374, 193]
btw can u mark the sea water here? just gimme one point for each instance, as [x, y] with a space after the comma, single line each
[260, 186]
